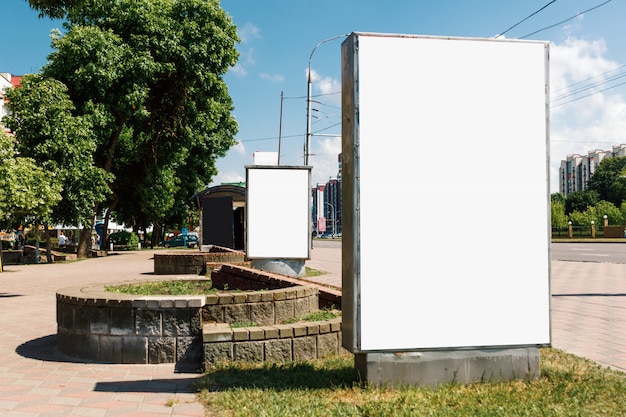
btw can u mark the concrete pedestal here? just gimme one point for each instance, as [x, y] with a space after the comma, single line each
[433, 368]
[289, 267]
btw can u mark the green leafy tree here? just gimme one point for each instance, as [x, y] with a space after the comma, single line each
[609, 180]
[608, 209]
[557, 214]
[580, 201]
[583, 218]
[29, 192]
[557, 198]
[48, 132]
[622, 210]
[54, 8]
[149, 75]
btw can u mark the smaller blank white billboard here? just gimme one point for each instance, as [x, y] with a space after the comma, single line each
[445, 193]
[278, 212]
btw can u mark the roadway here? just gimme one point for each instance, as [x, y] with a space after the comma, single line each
[589, 252]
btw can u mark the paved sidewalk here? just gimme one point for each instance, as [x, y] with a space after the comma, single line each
[589, 311]
[36, 381]
[588, 319]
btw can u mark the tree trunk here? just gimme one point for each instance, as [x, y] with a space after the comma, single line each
[1, 263]
[157, 234]
[84, 244]
[48, 245]
[107, 216]
[105, 230]
[37, 253]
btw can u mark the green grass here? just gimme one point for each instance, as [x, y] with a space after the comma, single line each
[320, 315]
[310, 272]
[569, 386]
[164, 288]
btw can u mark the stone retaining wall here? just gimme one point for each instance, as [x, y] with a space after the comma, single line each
[97, 325]
[261, 307]
[93, 324]
[278, 343]
[194, 262]
[240, 277]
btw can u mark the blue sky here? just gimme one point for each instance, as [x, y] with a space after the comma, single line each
[278, 37]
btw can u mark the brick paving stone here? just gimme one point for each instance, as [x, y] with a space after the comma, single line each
[37, 381]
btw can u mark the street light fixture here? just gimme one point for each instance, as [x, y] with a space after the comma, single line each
[307, 142]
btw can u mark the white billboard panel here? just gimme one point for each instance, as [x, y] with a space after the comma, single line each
[445, 193]
[265, 158]
[278, 201]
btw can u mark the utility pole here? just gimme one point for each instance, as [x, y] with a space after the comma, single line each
[280, 126]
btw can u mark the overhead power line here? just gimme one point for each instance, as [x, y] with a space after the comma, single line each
[589, 87]
[588, 95]
[566, 20]
[589, 79]
[525, 19]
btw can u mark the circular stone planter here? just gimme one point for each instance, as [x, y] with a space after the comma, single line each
[188, 262]
[97, 325]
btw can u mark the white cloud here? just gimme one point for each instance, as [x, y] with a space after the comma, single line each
[246, 59]
[594, 122]
[248, 31]
[239, 149]
[225, 177]
[324, 158]
[272, 77]
[329, 86]
[239, 70]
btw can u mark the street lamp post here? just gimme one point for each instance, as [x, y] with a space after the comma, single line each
[593, 229]
[307, 142]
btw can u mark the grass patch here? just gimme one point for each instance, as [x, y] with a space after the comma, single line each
[240, 324]
[320, 315]
[569, 386]
[164, 288]
[310, 272]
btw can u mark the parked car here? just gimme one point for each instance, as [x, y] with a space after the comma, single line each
[192, 241]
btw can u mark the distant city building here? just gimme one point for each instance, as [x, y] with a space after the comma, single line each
[7, 81]
[339, 169]
[327, 205]
[576, 170]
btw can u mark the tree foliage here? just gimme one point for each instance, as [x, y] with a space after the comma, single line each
[55, 9]
[609, 180]
[59, 142]
[29, 192]
[613, 214]
[147, 74]
[580, 201]
[557, 214]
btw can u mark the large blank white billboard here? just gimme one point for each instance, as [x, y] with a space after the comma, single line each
[445, 193]
[278, 211]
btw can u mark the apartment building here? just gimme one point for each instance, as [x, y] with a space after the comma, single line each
[7, 81]
[576, 170]
[327, 204]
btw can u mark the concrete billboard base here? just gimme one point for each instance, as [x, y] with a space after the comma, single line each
[289, 267]
[433, 368]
